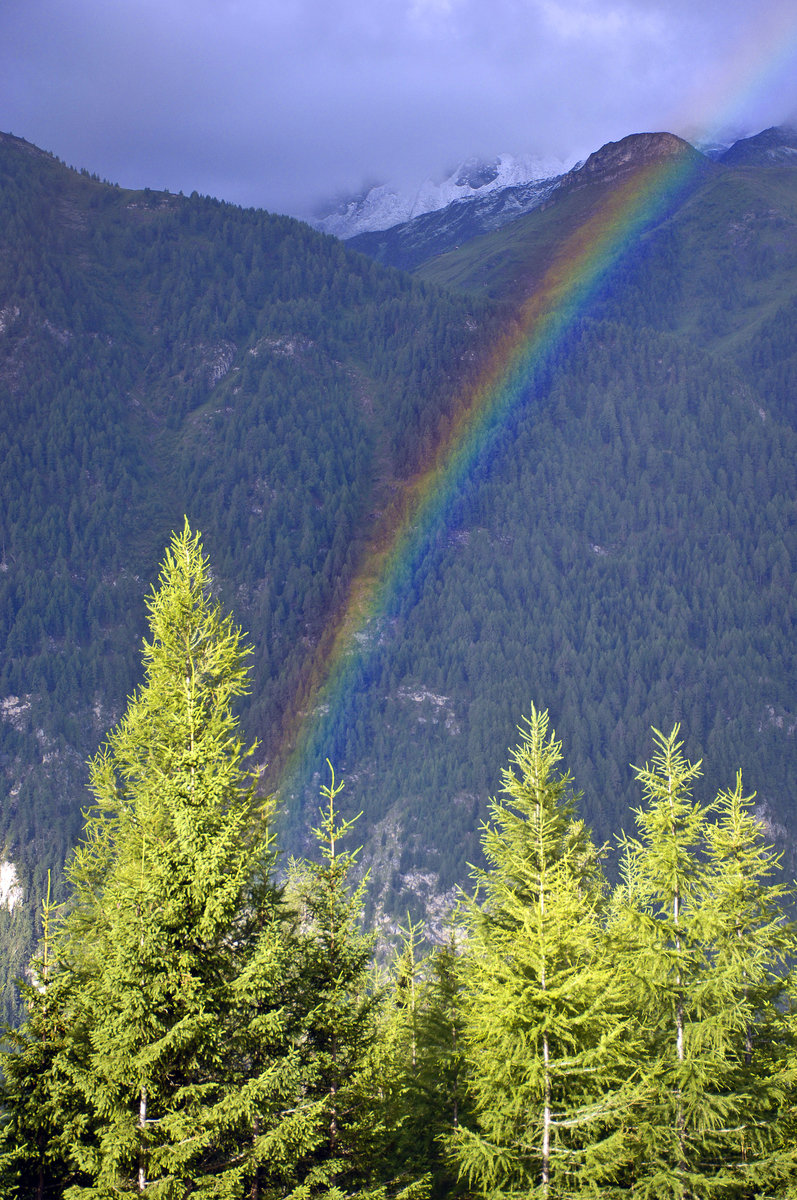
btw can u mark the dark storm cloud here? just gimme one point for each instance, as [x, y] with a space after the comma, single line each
[275, 102]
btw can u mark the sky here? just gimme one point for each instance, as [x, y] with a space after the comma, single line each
[283, 103]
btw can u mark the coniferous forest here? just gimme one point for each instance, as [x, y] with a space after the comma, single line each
[398, 986]
[624, 549]
[204, 1019]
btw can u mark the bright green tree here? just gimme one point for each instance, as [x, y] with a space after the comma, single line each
[543, 1036]
[180, 1042]
[701, 940]
[340, 1000]
[659, 930]
[753, 942]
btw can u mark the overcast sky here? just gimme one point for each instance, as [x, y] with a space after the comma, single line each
[278, 103]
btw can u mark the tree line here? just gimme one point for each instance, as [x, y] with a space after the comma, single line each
[203, 1020]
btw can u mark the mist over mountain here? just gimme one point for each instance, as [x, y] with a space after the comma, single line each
[381, 206]
[409, 243]
[774, 147]
[623, 553]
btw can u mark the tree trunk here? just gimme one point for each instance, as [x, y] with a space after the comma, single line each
[142, 1125]
[545, 1174]
[679, 1036]
[546, 1121]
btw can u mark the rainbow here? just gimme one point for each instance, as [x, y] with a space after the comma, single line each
[758, 66]
[420, 507]
[421, 504]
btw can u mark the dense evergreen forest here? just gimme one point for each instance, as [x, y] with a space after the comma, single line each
[623, 552]
[197, 1025]
[165, 355]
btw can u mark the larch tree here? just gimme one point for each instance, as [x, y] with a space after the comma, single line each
[180, 1041]
[543, 1035]
[701, 940]
[658, 929]
[340, 1002]
[752, 944]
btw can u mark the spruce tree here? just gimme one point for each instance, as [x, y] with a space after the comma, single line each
[542, 1030]
[38, 1101]
[396, 1055]
[421, 1064]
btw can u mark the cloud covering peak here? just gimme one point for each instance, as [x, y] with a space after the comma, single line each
[283, 103]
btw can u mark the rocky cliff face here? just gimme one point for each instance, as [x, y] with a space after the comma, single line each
[618, 159]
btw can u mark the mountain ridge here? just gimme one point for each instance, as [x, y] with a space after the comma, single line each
[776, 146]
[414, 242]
[409, 245]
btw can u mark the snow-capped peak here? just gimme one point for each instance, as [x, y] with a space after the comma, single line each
[383, 205]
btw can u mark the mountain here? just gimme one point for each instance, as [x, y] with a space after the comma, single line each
[410, 244]
[619, 556]
[403, 230]
[164, 355]
[382, 206]
[605, 552]
[775, 147]
[615, 161]
[513, 259]
[621, 551]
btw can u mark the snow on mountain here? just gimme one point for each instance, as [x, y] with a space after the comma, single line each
[384, 205]
[713, 150]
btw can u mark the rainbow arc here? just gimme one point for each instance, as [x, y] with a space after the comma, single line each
[422, 503]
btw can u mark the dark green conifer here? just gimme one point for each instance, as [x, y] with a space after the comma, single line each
[340, 1000]
[39, 1103]
[422, 1066]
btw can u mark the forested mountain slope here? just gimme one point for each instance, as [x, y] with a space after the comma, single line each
[623, 555]
[161, 356]
[626, 553]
